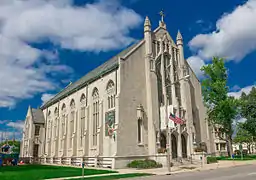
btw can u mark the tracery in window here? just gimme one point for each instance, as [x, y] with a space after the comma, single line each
[111, 94]
[72, 121]
[95, 96]
[82, 118]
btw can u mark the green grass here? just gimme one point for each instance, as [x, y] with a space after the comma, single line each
[121, 176]
[38, 172]
[238, 158]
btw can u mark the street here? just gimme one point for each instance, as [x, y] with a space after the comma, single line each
[247, 172]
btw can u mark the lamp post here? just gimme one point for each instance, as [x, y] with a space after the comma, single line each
[168, 133]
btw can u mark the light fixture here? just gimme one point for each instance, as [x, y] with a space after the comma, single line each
[140, 112]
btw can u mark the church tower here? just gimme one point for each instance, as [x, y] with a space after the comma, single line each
[149, 66]
[185, 106]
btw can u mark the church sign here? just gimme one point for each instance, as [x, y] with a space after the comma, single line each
[109, 123]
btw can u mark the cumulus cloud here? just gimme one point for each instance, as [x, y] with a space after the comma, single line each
[234, 37]
[237, 94]
[24, 69]
[46, 97]
[196, 63]
[11, 129]
[18, 125]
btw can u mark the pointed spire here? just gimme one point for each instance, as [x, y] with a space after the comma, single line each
[179, 39]
[147, 25]
[147, 22]
[179, 36]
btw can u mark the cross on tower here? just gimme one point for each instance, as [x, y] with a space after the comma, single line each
[162, 15]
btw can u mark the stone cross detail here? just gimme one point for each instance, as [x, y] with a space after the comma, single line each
[162, 15]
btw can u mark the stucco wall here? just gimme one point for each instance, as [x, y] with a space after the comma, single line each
[132, 94]
[87, 149]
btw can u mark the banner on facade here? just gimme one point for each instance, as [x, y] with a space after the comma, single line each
[109, 123]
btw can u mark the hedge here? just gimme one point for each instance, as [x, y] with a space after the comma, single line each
[144, 164]
[212, 160]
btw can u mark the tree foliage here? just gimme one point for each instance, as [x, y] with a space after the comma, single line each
[242, 135]
[15, 144]
[248, 111]
[221, 109]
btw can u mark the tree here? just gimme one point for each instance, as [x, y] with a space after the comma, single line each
[248, 111]
[15, 144]
[243, 136]
[221, 109]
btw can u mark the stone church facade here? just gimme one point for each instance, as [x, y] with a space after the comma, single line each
[117, 112]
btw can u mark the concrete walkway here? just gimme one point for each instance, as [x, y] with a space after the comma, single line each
[174, 170]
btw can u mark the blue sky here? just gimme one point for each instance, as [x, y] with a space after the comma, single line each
[47, 44]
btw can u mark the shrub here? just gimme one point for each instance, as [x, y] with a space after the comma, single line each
[144, 164]
[198, 149]
[211, 160]
[162, 150]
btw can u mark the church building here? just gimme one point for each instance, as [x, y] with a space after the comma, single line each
[120, 111]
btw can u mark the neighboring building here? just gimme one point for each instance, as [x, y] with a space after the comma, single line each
[116, 112]
[251, 149]
[220, 142]
[33, 134]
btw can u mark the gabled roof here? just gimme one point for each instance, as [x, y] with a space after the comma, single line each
[93, 75]
[37, 116]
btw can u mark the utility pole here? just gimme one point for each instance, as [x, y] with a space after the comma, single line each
[168, 145]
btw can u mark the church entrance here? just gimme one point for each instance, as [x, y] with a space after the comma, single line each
[163, 141]
[174, 146]
[184, 146]
[35, 150]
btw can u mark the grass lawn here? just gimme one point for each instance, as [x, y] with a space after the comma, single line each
[238, 158]
[38, 172]
[112, 177]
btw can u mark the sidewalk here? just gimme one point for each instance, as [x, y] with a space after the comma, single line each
[189, 168]
[174, 170]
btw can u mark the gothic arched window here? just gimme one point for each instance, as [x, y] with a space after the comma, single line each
[82, 118]
[72, 121]
[83, 99]
[72, 104]
[49, 113]
[63, 123]
[111, 94]
[56, 112]
[95, 118]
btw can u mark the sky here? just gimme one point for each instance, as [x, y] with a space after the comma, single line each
[46, 44]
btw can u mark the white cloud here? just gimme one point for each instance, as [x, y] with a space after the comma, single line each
[11, 129]
[18, 125]
[100, 26]
[234, 38]
[3, 121]
[237, 94]
[10, 135]
[46, 97]
[196, 63]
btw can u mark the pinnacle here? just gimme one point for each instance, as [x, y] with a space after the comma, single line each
[147, 22]
[179, 36]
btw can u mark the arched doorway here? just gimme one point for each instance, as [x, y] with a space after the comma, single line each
[162, 140]
[174, 146]
[184, 146]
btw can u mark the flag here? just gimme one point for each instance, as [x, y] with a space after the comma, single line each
[172, 117]
[175, 119]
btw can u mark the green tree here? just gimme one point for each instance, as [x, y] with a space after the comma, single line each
[248, 111]
[221, 109]
[16, 145]
[243, 136]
